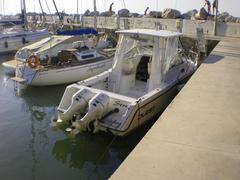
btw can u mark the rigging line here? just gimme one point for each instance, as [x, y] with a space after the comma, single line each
[49, 10]
[105, 18]
[156, 5]
[102, 4]
[81, 2]
[60, 18]
[77, 7]
[3, 7]
[24, 14]
[105, 5]
[175, 4]
[34, 7]
[44, 18]
[21, 7]
[124, 4]
[95, 15]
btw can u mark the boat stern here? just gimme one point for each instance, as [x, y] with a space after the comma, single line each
[89, 109]
[24, 74]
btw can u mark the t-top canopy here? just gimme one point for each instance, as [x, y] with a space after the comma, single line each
[150, 32]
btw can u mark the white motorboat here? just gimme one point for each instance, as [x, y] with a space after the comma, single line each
[147, 67]
[70, 65]
[47, 47]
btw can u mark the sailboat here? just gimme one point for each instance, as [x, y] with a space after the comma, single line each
[85, 59]
[48, 47]
[147, 67]
[14, 38]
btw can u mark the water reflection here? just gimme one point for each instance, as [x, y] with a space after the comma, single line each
[85, 148]
[51, 154]
[40, 103]
[100, 153]
[43, 96]
[33, 149]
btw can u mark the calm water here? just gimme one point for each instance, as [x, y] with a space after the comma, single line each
[30, 149]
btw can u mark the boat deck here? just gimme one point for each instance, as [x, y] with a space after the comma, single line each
[198, 135]
[138, 90]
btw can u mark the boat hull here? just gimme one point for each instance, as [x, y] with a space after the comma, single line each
[145, 111]
[70, 74]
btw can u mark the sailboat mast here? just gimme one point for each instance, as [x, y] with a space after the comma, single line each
[60, 18]
[43, 15]
[216, 18]
[49, 10]
[95, 14]
[24, 14]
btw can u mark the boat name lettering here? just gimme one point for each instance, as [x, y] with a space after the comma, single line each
[118, 103]
[148, 111]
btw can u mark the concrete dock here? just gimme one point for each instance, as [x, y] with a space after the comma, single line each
[198, 135]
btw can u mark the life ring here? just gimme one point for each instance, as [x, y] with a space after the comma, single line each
[33, 61]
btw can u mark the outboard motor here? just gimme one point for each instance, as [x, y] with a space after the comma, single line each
[79, 103]
[97, 107]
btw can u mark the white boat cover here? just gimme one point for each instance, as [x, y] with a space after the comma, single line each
[130, 47]
[45, 43]
[163, 54]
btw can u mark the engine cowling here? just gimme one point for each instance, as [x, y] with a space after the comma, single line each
[79, 103]
[98, 106]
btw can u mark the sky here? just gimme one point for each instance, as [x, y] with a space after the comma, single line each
[70, 6]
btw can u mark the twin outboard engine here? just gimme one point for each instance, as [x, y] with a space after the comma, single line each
[88, 106]
[79, 103]
[98, 106]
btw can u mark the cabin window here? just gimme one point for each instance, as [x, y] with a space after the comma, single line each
[87, 56]
[142, 69]
[84, 48]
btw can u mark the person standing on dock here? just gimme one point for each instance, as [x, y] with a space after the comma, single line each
[207, 2]
[110, 9]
